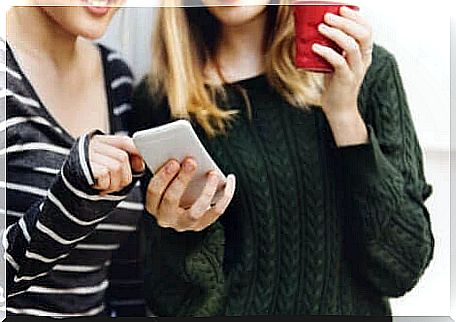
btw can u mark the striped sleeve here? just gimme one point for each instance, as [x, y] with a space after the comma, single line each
[66, 214]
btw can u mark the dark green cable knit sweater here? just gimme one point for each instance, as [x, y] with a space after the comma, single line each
[313, 228]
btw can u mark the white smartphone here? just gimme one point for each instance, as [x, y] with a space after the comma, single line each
[178, 140]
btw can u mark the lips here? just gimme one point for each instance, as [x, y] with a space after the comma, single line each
[97, 3]
[98, 7]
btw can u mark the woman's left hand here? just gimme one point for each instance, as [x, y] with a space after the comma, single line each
[353, 34]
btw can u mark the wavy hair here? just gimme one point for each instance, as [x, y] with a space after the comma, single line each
[185, 41]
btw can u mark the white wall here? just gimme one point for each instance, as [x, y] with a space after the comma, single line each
[419, 39]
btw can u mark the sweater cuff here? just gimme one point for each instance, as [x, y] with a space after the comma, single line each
[77, 168]
[78, 172]
[365, 163]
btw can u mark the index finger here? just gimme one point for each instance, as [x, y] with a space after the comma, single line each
[350, 27]
[354, 15]
[121, 142]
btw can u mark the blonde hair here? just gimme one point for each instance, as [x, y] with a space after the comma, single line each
[181, 49]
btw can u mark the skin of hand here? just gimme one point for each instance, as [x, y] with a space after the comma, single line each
[167, 187]
[353, 34]
[113, 160]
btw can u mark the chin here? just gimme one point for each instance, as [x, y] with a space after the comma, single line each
[85, 20]
[92, 33]
[236, 16]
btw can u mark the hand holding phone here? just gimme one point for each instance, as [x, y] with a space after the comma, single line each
[168, 186]
[186, 182]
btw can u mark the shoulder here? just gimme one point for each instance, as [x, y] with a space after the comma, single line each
[14, 79]
[20, 98]
[118, 75]
[382, 82]
[383, 100]
[113, 59]
[383, 64]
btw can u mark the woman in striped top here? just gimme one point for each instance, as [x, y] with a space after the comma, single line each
[73, 202]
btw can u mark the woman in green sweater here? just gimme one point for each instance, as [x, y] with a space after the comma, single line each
[328, 216]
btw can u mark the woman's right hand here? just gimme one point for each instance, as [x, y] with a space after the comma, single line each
[167, 187]
[113, 160]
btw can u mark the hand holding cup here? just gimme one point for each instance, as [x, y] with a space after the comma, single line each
[353, 34]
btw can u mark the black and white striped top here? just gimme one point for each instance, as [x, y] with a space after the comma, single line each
[69, 251]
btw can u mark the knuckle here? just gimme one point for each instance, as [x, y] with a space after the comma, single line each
[151, 191]
[117, 167]
[193, 215]
[93, 148]
[162, 224]
[348, 79]
[102, 184]
[183, 178]
[103, 173]
[127, 180]
[126, 140]
[338, 63]
[124, 157]
[364, 36]
[95, 138]
[353, 46]
[208, 194]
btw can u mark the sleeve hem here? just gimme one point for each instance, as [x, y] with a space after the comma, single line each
[83, 149]
[365, 163]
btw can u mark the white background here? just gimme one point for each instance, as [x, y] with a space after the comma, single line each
[418, 35]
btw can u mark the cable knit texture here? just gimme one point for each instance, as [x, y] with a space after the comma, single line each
[313, 228]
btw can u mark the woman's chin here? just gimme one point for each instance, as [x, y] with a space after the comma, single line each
[92, 33]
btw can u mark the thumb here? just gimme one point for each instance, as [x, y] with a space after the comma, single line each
[137, 163]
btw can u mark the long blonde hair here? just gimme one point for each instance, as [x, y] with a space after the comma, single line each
[184, 42]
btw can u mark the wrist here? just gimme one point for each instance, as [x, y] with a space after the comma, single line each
[348, 128]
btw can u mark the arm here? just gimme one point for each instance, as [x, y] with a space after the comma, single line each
[66, 214]
[379, 157]
[385, 188]
[61, 209]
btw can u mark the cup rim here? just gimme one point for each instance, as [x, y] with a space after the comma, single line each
[323, 2]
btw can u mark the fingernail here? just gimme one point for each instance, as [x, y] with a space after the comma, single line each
[213, 176]
[322, 27]
[172, 167]
[316, 47]
[143, 166]
[189, 166]
[329, 16]
[232, 176]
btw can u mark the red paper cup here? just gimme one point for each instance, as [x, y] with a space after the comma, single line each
[308, 15]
